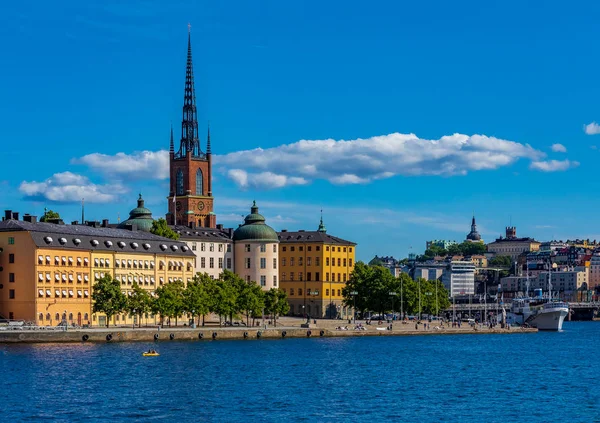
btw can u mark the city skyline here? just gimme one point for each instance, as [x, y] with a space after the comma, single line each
[395, 155]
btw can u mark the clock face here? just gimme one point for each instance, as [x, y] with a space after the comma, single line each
[178, 206]
[201, 205]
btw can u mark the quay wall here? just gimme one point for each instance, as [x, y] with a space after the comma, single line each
[204, 334]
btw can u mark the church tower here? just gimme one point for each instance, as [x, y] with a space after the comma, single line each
[190, 193]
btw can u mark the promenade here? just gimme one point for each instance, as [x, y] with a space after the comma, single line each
[286, 328]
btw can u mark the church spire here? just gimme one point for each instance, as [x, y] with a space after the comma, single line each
[171, 144]
[189, 124]
[322, 227]
[208, 140]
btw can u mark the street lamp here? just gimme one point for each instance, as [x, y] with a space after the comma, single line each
[354, 294]
[401, 299]
[392, 294]
[419, 298]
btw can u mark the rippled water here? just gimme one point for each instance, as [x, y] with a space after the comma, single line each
[540, 377]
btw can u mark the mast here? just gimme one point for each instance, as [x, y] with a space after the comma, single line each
[527, 281]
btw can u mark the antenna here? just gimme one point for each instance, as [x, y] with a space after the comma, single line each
[82, 211]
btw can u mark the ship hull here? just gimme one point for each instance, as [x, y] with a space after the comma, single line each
[551, 320]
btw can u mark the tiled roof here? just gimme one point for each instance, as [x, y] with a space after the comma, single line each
[311, 236]
[201, 234]
[80, 237]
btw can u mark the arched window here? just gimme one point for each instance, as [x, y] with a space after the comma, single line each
[41, 317]
[70, 316]
[86, 316]
[48, 316]
[199, 182]
[179, 182]
[57, 316]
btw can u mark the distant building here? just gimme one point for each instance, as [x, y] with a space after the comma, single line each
[441, 243]
[459, 278]
[511, 245]
[595, 271]
[474, 236]
[567, 283]
[430, 272]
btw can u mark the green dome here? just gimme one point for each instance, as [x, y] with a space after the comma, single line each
[255, 228]
[140, 216]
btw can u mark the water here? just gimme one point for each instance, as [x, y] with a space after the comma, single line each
[542, 377]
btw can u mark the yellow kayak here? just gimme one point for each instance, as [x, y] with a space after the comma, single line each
[147, 354]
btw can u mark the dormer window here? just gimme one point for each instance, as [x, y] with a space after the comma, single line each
[121, 244]
[174, 247]
[163, 247]
[94, 242]
[76, 241]
[63, 241]
[48, 240]
[146, 246]
[184, 248]
[108, 243]
[134, 245]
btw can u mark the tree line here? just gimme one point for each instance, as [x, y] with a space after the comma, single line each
[228, 297]
[465, 248]
[374, 288]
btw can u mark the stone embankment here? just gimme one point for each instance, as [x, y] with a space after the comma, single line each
[167, 334]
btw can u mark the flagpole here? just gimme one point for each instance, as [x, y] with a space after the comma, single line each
[175, 209]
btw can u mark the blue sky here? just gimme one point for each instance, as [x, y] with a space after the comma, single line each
[415, 114]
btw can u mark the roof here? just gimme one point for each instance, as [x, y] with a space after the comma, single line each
[80, 237]
[202, 234]
[140, 216]
[311, 236]
[255, 228]
[501, 240]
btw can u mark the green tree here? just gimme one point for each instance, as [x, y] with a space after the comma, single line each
[250, 299]
[196, 297]
[138, 303]
[161, 228]
[108, 298]
[500, 261]
[472, 248]
[49, 214]
[169, 301]
[225, 296]
[276, 303]
[376, 261]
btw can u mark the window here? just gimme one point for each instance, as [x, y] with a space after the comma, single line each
[283, 276]
[220, 262]
[326, 261]
[179, 182]
[283, 261]
[263, 263]
[344, 277]
[229, 262]
[300, 248]
[11, 294]
[299, 291]
[333, 277]
[291, 261]
[309, 248]
[211, 247]
[299, 261]
[339, 293]
[229, 248]
[274, 248]
[11, 277]
[350, 262]
[339, 262]
[291, 276]
[274, 263]
[318, 248]
[194, 246]
[248, 278]
[308, 276]
[11, 240]
[339, 277]
[284, 249]
[202, 247]
[247, 248]
[292, 249]
[220, 248]
[308, 261]
[327, 293]
[317, 261]
[327, 248]
[263, 248]
[300, 276]
[202, 262]
[339, 249]
[317, 276]
[11, 258]
[199, 181]
[274, 280]
[344, 249]
[327, 277]
[247, 262]
[344, 262]
[212, 262]
[263, 280]
[291, 291]
[350, 250]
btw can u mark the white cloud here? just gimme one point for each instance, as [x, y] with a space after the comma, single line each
[362, 161]
[138, 165]
[68, 187]
[592, 128]
[559, 148]
[553, 165]
[264, 180]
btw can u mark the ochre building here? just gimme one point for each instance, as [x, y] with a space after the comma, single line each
[48, 269]
[313, 268]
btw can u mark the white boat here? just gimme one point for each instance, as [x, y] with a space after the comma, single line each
[539, 311]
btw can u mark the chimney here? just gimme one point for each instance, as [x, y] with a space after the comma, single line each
[15, 215]
[220, 226]
[8, 214]
[105, 223]
[29, 218]
[130, 227]
[284, 230]
[75, 222]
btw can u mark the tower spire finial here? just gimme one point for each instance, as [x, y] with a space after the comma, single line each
[322, 227]
[189, 124]
[208, 140]
[171, 145]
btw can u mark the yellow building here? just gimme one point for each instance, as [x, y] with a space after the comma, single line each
[313, 268]
[48, 269]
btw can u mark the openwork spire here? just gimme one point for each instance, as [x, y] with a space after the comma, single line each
[208, 140]
[171, 144]
[189, 125]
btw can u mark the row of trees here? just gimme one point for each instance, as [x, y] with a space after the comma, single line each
[373, 288]
[229, 296]
[464, 249]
